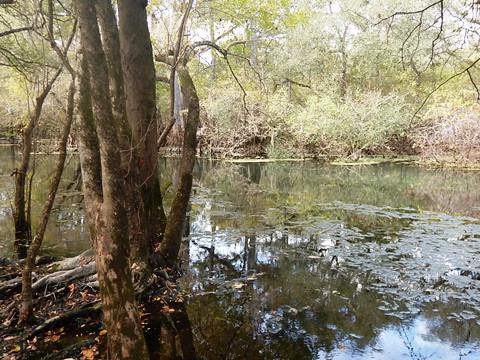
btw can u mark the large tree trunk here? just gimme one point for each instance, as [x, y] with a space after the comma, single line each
[111, 241]
[26, 310]
[146, 211]
[170, 245]
[111, 45]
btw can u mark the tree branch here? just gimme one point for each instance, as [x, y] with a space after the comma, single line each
[415, 12]
[466, 70]
[14, 31]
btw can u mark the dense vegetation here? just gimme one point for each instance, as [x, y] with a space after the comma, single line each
[120, 81]
[298, 78]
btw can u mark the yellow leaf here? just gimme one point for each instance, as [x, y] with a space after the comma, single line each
[15, 348]
[102, 332]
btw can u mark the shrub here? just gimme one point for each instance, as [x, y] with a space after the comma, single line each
[452, 135]
[363, 123]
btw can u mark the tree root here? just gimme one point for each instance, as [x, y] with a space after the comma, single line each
[70, 352]
[90, 309]
[9, 287]
[64, 276]
[70, 270]
[71, 263]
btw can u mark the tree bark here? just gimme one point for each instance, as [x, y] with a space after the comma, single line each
[111, 242]
[146, 210]
[111, 44]
[171, 242]
[26, 310]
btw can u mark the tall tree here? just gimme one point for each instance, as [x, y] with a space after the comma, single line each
[146, 209]
[105, 204]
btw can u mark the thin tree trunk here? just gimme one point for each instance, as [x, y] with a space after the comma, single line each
[253, 55]
[176, 57]
[211, 28]
[111, 241]
[171, 242]
[20, 214]
[26, 310]
[343, 53]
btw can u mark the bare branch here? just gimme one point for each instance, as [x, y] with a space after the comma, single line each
[298, 83]
[466, 70]
[164, 79]
[415, 12]
[474, 84]
[14, 31]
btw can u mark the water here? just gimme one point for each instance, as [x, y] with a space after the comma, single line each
[306, 261]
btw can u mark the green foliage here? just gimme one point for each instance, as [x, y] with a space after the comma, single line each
[362, 123]
[320, 77]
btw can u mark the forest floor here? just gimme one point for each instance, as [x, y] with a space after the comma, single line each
[68, 313]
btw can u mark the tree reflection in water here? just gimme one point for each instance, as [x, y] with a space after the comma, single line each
[258, 261]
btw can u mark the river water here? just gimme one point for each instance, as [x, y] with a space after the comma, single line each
[309, 261]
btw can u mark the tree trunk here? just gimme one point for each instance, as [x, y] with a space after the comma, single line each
[211, 29]
[111, 241]
[20, 213]
[147, 214]
[344, 55]
[26, 310]
[253, 55]
[111, 44]
[170, 245]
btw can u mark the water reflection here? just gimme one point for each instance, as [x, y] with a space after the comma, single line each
[304, 261]
[67, 233]
[311, 262]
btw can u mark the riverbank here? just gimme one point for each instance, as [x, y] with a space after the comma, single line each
[48, 147]
[364, 161]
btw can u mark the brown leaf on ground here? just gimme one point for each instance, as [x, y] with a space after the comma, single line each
[88, 354]
[167, 310]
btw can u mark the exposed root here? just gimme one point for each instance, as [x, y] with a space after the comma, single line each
[64, 276]
[71, 263]
[91, 309]
[9, 287]
[71, 351]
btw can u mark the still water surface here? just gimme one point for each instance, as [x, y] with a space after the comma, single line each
[307, 261]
